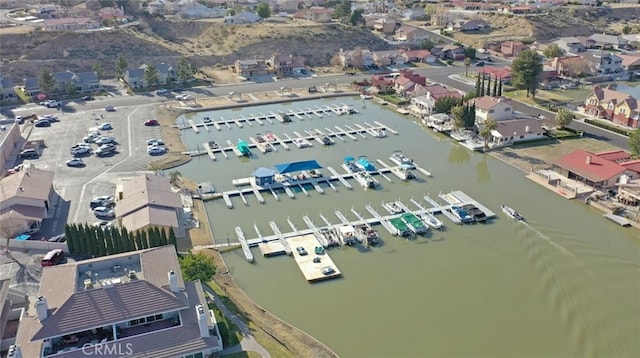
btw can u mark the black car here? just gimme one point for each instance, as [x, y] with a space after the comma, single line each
[479, 64]
[42, 123]
[87, 98]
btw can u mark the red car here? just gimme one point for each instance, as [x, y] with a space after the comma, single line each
[151, 122]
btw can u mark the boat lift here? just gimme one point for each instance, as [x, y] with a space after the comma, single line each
[281, 239]
[445, 212]
[316, 232]
[243, 243]
[392, 230]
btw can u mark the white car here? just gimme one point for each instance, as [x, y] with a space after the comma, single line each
[105, 140]
[156, 150]
[81, 145]
[103, 200]
[90, 138]
[180, 97]
[75, 162]
[80, 151]
[105, 126]
[104, 212]
[155, 141]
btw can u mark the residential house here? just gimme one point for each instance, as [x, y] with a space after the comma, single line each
[449, 52]
[13, 305]
[80, 82]
[414, 13]
[423, 56]
[10, 143]
[386, 25]
[474, 25]
[618, 107]
[570, 44]
[502, 74]
[603, 41]
[115, 14]
[424, 105]
[200, 11]
[136, 304]
[510, 132]
[411, 35]
[406, 84]
[7, 93]
[31, 86]
[289, 6]
[158, 7]
[317, 14]
[608, 63]
[522, 9]
[29, 195]
[512, 48]
[166, 73]
[595, 169]
[135, 77]
[358, 58]
[573, 66]
[629, 62]
[146, 201]
[285, 65]
[70, 24]
[250, 68]
[388, 58]
[498, 108]
[243, 17]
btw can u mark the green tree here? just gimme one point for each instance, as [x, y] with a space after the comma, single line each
[184, 70]
[494, 91]
[457, 114]
[552, 51]
[138, 240]
[488, 90]
[626, 29]
[121, 66]
[427, 44]
[356, 17]
[489, 125]
[231, 12]
[470, 52]
[197, 267]
[97, 68]
[478, 84]
[90, 238]
[68, 232]
[343, 9]
[71, 89]
[482, 87]
[469, 115]
[526, 72]
[47, 81]
[500, 87]
[99, 238]
[430, 11]
[563, 117]
[445, 104]
[467, 63]
[172, 239]
[634, 142]
[175, 177]
[263, 10]
[81, 241]
[151, 75]
[163, 237]
[127, 240]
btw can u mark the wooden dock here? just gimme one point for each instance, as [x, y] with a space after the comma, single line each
[312, 271]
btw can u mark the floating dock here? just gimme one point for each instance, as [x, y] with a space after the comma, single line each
[243, 243]
[618, 219]
[313, 271]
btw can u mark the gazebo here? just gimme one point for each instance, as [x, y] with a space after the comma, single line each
[264, 176]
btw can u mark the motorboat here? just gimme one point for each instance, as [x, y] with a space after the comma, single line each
[364, 164]
[366, 96]
[392, 208]
[330, 235]
[243, 148]
[347, 234]
[313, 173]
[400, 159]
[462, 214]
[260, 139]
[285, 117]
[350, 165]
[368, 234]
[301, 143]
[270, 137]
[366, 180]
[213, 145]
[381, 133]
[478, 215]
[512, 213]
[400, 226]
[326, 140]
[414, 223]
[432, 221]
[404, 172]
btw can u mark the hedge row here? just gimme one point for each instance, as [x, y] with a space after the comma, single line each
[609, 127]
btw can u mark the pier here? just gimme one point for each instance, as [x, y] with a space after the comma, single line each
[207, 147]
[280, 238]
[243, 243]
[313, 269]
[321, 239]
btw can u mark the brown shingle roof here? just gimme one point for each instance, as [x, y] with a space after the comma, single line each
[29, 183]
[488, 102]
[518, 127]
[136, 200]
[150, 215]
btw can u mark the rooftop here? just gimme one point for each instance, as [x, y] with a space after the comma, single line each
[590, 166]
[29, 183]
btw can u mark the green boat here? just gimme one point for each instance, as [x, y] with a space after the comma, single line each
[415, 223]
[400, 226]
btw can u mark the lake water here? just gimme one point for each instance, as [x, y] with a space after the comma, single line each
[565, 284]
[633, 91]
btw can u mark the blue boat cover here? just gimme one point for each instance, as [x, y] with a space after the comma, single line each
[243, 147]
[349, 159]
[264, 172]
[297, 166]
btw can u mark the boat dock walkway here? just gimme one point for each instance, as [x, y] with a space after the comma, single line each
[243, 243]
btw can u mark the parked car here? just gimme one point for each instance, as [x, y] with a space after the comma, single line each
[104, 212]
[19, 119]
[105, 140]
[103, 200]
[29, 153]
[105, 126]
[154, 141]
[105, 151]
[42, 123]
[156, 150]
[182, 97]
[80, 151]
[301, 251]
[90, 138]
[87, 98]
[57, 238]
[51, 103]
[162, 91]
[50, 117]
[110, 108]
[151, 122]
[75, 162]
[479, 63]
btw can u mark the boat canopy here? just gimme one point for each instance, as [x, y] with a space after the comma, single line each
[349, 159]
[297, 166]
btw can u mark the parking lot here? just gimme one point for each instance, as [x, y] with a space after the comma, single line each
[77, 185]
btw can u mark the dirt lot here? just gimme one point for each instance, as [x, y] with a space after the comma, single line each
[543, 154]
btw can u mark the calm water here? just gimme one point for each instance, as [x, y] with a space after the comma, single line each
[633, 91]
[566, 284]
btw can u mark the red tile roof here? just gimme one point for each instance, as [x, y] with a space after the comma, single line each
[590, 166]
[633, 165]
[614, 155]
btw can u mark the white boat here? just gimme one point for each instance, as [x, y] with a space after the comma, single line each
[366, 96]
[301, 143]
[392, 208]
[400, 159]
[348, 234]
[366, 180]
[512, 213]
[432, 221]
[270, 137]
[404, 172]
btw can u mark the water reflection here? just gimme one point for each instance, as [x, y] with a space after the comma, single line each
[482, 168]
[458, 155]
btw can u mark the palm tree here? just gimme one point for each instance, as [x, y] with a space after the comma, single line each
[467, 63]
[489, 125]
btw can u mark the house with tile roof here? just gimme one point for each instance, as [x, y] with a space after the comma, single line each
[411, 35]
[618, 107]
[28, 195]
[425, 103]
[630, 62]
[357, 58]
[135, 304]
[423, 56]
[388, 58]
[146, 201]
[510, 132]
[498, 108]
[7, 93]
[496, 73]
[512, 48]
[599, 170]
[316, 14]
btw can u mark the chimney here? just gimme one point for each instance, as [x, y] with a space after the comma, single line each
[173, 282]
[14, 352]
[202, 321]
[42, 309]
[588, 161]
[527, 129]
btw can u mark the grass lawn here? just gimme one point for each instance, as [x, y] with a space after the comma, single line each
[543, 97]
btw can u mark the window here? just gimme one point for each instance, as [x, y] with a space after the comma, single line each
[521, 137]
[610, 106]
[507, 109]
[623, 111]
[491, 111]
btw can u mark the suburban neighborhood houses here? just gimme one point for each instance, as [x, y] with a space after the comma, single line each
[110, 224]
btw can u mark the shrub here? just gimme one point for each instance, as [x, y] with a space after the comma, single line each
[609, 127]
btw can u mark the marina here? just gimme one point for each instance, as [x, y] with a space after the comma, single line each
[315, 265]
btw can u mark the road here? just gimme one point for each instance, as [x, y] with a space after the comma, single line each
[436, 74]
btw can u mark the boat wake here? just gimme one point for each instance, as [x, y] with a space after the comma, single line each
[559, 247]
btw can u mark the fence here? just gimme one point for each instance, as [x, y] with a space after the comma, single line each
[35, 245]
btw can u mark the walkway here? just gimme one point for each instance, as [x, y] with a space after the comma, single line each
[248, 343]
